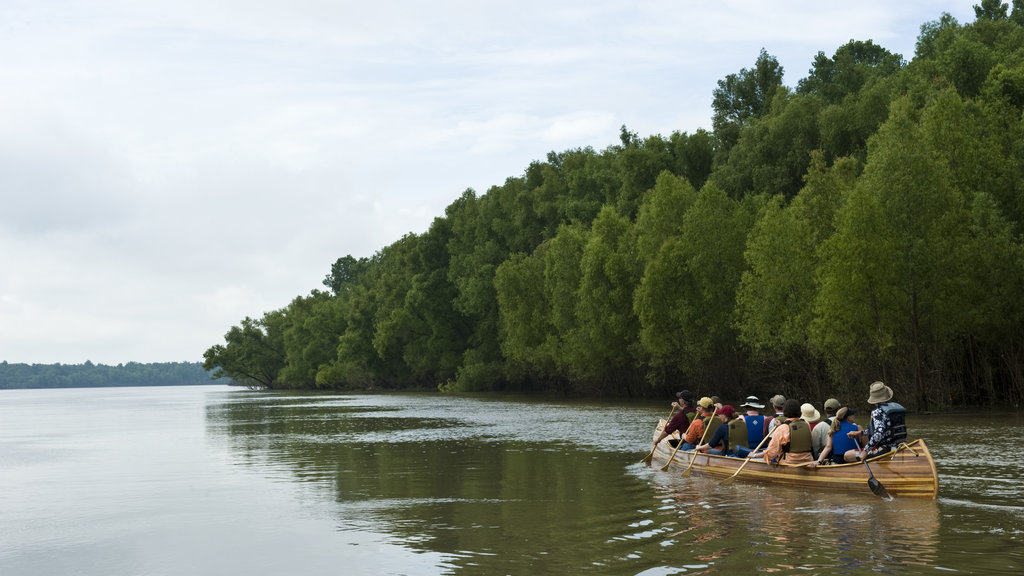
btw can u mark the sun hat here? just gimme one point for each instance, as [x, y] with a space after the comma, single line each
[879, 393]
[832, 404]
[778, 400]
[752, 402]
[727, 410]
[706, 403]
[809, 413]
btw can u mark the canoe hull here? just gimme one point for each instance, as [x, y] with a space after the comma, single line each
[908, 472]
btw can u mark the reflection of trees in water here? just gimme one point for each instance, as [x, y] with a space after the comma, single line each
[490, 505]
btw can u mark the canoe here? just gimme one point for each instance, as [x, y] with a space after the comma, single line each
[908, 471]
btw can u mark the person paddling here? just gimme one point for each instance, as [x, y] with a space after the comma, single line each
[791, 443]
[887, 427]
[679, 421]
[695, 432]
[730, 432]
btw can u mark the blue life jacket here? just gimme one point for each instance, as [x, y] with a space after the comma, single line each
[755, 430]
[841, 443]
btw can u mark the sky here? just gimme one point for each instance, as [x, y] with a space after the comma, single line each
[169, 168]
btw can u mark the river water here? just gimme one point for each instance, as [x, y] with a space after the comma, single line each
[214, 480]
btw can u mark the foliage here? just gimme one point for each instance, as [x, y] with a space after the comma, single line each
[89, 375]
[865, 224]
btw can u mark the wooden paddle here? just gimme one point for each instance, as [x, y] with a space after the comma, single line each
[873, 482]
[761, 443]
[650, 456]
[686, 473]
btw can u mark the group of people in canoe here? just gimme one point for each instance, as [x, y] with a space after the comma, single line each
[793, 433]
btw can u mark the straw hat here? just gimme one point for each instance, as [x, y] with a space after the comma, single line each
[880, 393]
[809, 413]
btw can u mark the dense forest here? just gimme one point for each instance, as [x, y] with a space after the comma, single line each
[89, 375]
[866, 224]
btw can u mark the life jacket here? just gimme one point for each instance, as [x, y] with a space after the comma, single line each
[755, 430]
[691, 413]
[897, 421]
[737, 432]
[897, 431]
[799, 437]
[841, 443]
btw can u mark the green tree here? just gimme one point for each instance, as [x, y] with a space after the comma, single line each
[252, 354]
[607, 326]
[744, 96]
[888, 282]
[852, 67]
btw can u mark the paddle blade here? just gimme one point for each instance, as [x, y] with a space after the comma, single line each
[648, 459]
[665, 467]
[878, 489]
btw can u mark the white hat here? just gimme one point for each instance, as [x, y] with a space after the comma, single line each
[809, 413]
[752, 402]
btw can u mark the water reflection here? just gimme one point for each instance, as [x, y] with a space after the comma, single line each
[514, 487]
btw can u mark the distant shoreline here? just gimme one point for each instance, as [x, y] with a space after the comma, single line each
[89, 375]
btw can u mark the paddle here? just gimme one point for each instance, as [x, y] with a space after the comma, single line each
[686, 473]
[873, 482]
[650, 456]
[761, 443]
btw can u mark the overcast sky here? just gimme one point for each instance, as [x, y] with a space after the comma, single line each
[170, 167]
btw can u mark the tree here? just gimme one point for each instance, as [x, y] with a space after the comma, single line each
[888, 293]
[743, 96]
[253, 353]
[607, 326]
[345, 273]
[991, 10]
[853, 65]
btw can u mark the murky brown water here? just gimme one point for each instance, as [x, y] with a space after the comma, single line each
[223, 481]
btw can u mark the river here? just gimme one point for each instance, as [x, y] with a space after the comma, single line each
[214, 480]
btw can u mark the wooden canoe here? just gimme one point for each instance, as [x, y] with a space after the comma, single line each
[908, 471]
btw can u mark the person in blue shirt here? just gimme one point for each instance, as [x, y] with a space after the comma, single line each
[840, 445]
[730, 433]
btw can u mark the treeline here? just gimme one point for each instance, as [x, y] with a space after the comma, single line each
[865, 224]
[89, 375]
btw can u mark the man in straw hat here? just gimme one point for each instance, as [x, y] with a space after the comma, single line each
[887, 427]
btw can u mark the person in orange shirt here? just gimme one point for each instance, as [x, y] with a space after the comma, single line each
[695, 433]
[791, 441]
